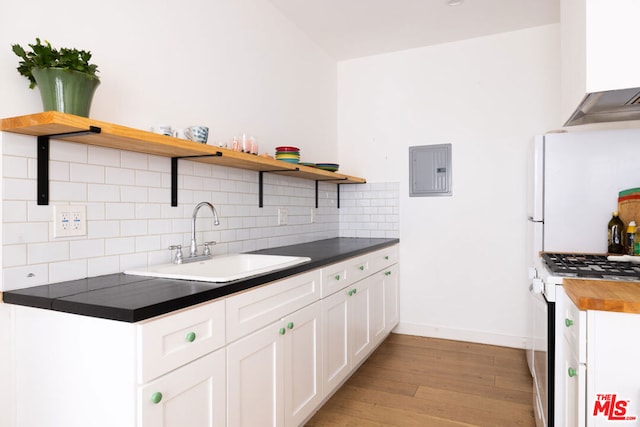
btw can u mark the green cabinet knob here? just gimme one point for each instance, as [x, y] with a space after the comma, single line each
[350, 292]
[387, 257]
[337, 277]
[290, 325]
[282, 331]
[361, 268]
[191, 336]
[568, 322]
[355, 291]
[572, 372]
[387, 273]
[156, 397]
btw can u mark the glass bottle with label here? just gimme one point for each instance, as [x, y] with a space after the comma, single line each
[615, 235]
[631, 238]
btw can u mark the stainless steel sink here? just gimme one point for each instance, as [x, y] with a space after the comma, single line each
[223, 268]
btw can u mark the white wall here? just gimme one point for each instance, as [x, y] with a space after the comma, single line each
[463, 257]
[234, 65]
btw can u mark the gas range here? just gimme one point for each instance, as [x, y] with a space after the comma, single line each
[594, 266]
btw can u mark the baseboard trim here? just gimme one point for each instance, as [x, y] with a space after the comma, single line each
[481, 337]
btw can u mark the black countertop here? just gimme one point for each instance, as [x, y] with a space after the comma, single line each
[134, 298]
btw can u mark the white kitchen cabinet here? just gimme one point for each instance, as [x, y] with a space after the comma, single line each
[573, 369]
[346, 332]
[596, 38]
[355, 320]
[274, 373]
[88, 371]
[601, 372]
[193, 395]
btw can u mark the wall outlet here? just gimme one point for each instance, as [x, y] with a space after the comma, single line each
[282, 216]
[69, 221]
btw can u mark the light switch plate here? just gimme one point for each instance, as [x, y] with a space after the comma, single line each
[69, 221]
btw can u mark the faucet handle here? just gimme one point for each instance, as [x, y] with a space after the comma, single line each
[207, 250]
[177, 257]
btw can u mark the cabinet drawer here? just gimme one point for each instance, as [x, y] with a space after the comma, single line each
[341, 274]
[257, 308]
[574, 329]
[383, 258]
[170, 341]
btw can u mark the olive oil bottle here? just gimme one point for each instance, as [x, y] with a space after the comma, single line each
[615, 235]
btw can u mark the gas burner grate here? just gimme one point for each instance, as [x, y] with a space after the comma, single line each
[590, 265]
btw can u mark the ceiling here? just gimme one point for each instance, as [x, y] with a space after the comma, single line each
[349, 29]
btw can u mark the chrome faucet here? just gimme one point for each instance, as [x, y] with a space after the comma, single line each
[193, 249]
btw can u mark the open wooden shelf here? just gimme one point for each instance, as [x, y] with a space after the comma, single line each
[130, 139]
[53, 123]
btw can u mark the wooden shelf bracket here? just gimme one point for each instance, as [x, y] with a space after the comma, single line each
[43, 160]
[174, 173]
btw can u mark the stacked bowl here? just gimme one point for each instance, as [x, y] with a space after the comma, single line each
[288, 154]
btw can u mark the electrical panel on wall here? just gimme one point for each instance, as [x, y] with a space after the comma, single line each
[430, 170]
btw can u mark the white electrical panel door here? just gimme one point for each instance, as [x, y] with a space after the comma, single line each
[430, 170]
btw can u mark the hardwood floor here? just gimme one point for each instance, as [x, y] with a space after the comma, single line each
[417, 381]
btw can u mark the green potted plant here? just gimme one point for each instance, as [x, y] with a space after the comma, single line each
[65, 77]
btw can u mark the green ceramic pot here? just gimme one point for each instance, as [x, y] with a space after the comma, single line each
[65, 90]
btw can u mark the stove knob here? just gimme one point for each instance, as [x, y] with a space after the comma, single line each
[533, 273]
[537, 286]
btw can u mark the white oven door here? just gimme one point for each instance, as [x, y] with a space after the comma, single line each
[540, 357]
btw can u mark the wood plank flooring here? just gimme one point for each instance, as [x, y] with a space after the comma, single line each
[417, 381]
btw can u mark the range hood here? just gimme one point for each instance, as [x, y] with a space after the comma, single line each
[607, 106]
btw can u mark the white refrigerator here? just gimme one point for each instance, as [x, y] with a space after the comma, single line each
[574, 185]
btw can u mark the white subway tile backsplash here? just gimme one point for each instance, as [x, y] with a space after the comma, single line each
[131, 160]
[103, 265]
[14, 211]
[68, 151]
[119, 245]
[39, 253]
[131, 222]
[86, 173]
[14, 167]
[120, 176]
[67, 270]
[67, 191]
[103, 156]
[26, 232]
[86, 248]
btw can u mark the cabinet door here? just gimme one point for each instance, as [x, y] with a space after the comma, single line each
[193, 395]
[360, 336]
[574, 375]
[255, 386]
[391, 286]
[303, 389]
[335, 340]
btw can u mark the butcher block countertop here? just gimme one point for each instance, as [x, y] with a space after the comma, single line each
[604, 295]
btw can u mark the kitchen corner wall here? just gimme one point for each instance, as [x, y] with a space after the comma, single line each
[131, 223]
[463, 258]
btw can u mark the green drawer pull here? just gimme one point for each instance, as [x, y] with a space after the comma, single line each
[387, 273]
[572, 372]
[568, 322]
[350, 293]
[191, 336]
[290, 325]
[282, 331]
[156, 397]
[337, 277]
[361, 268]
[387, 257]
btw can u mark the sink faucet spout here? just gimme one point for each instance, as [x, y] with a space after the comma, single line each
[193, 249]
